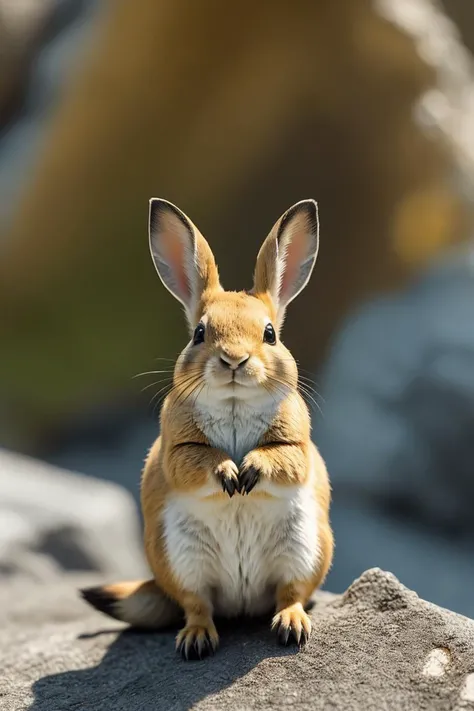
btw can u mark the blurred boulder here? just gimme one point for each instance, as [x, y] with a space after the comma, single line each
[22, 24]
[52, 521]
[397, 433]
[47, 35]
[445, 109]
[462, 13]
[233, 126]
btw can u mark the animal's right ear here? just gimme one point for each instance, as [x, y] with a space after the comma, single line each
[287, 257]
[182, 257]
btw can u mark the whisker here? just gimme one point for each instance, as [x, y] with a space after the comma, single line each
[303, 388]
[170, 386]
[157, 382]
[188, 388]
[171, 371]
[170, 360]
[194, 387]
[308, 396]
[268, 390]
[311, 389]
[199, 392]
[151, 372]
[285, 386]
[156, 395]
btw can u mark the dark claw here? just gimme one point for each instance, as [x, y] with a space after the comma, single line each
[229, 486]
[209, 647]
[304, 637]
[194, 652]
[248, 478]
[288, 635]
[192, 655]
[182, 650]
[283, 634]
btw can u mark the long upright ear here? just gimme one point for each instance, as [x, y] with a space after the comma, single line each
[287, 257]
[182, 257]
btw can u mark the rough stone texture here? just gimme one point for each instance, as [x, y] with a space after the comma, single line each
[52, 520]
[372, 648]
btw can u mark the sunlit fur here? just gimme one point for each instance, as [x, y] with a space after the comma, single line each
[213, 546]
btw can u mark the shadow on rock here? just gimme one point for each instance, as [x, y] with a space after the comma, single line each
[141, 671]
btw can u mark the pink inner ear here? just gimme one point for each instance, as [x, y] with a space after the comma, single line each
[174, 254]
[296, 253]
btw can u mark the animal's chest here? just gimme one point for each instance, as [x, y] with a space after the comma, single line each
[234, 428]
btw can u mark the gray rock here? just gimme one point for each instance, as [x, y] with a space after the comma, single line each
[397, 435]
[439, 568]
[52, 520]
[399, 395]
[376, 647]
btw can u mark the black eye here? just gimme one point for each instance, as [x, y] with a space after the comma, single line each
[199, 332]
[269, 335]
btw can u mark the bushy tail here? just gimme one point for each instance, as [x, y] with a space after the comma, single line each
[140, 604]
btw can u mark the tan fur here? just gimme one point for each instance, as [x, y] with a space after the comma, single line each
[184, 462]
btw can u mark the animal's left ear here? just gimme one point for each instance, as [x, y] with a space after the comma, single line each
[287, 257]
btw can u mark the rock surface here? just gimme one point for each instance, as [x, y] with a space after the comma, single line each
[377, 647]
[52, 520]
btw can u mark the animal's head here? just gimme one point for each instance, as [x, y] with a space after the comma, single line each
[235, 348]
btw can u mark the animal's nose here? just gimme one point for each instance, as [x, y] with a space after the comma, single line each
[233, 363]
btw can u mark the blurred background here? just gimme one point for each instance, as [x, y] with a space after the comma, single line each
[234, 112]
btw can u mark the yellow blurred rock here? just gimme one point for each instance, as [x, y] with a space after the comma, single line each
[232, 111]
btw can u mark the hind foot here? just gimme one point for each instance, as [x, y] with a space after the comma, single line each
[292, 625]
[197, 641]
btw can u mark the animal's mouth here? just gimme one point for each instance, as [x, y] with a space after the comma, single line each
[235, 388]
[234, 384]
[235, 381]
[243, 381]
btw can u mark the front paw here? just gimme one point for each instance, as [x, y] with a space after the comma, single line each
[248, 477]
[228, 474]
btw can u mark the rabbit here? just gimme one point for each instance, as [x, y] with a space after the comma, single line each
[234, 494]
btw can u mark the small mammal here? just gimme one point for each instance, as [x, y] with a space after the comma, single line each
[235, 496]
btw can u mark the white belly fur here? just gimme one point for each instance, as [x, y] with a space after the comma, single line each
[236, 551]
